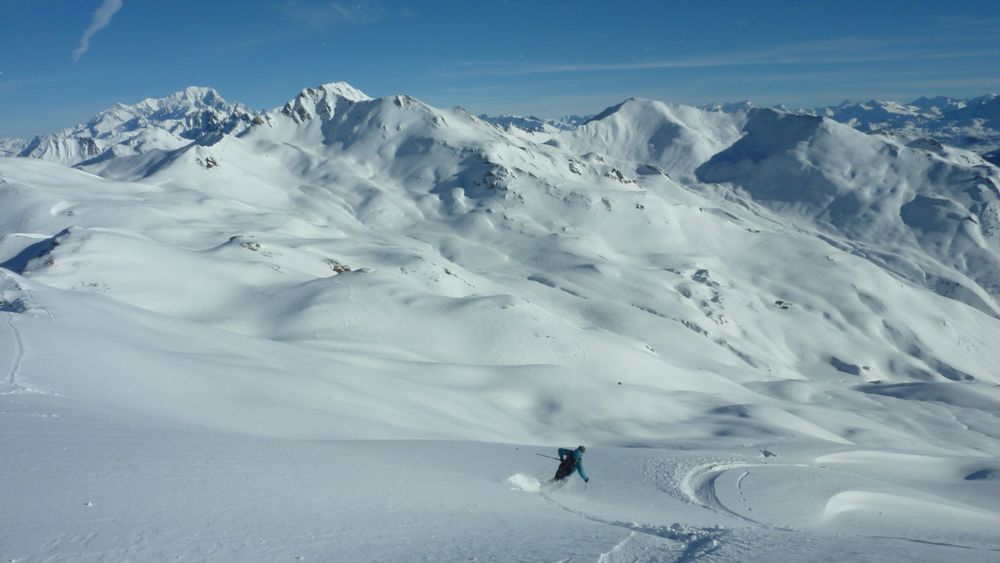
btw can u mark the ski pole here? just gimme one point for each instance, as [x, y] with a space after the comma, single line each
[550, 457]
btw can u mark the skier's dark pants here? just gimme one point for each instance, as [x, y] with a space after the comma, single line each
[565, 469]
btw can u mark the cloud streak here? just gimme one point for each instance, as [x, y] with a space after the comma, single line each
[102, 17]
[847, 50]
[331, 13]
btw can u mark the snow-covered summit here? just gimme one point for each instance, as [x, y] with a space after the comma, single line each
[150, 124]
[342, 90]
[322, 100]
[182, 102]
[178, 112]
[670, 137]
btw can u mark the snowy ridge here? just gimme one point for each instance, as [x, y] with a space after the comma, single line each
[720, 304]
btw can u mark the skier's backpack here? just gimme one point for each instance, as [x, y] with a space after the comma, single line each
[566, 467]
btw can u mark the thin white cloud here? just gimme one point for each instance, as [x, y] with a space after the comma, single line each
[327, 14]
[724, 60]
[844, 50]
[102, 17]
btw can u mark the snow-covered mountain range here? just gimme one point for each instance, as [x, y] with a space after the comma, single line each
[532, 124]
[151, 124]
[724, 302]
[972, 124]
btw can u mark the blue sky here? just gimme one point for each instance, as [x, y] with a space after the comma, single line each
[64, 60]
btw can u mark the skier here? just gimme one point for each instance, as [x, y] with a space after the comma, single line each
[570, 461]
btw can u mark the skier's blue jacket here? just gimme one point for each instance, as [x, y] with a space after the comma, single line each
[578, 455]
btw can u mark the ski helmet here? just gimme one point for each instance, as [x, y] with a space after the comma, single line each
[582, 449]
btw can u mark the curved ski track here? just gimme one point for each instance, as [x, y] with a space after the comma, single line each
[15, 361]
[698, 542]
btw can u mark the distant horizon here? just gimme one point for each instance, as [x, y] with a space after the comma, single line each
[63, 62]
[233, 100]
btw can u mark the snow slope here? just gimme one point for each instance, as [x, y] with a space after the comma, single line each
[343, 329]
[227, 497]
[928, 215]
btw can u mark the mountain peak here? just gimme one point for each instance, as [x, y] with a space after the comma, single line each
[322, 100]
[611, 110]
[203, 94]
[341, 89]
[192, 97]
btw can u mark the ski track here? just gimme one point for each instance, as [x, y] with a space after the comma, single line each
[699, 485]
[942, 544]
[15, 362]
[739, 490]
[698, 542]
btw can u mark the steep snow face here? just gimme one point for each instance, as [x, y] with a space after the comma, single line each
[928, 215]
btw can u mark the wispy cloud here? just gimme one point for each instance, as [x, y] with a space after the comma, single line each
[789, 56]
[328, 13]
[102, 17]
[847, 50]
